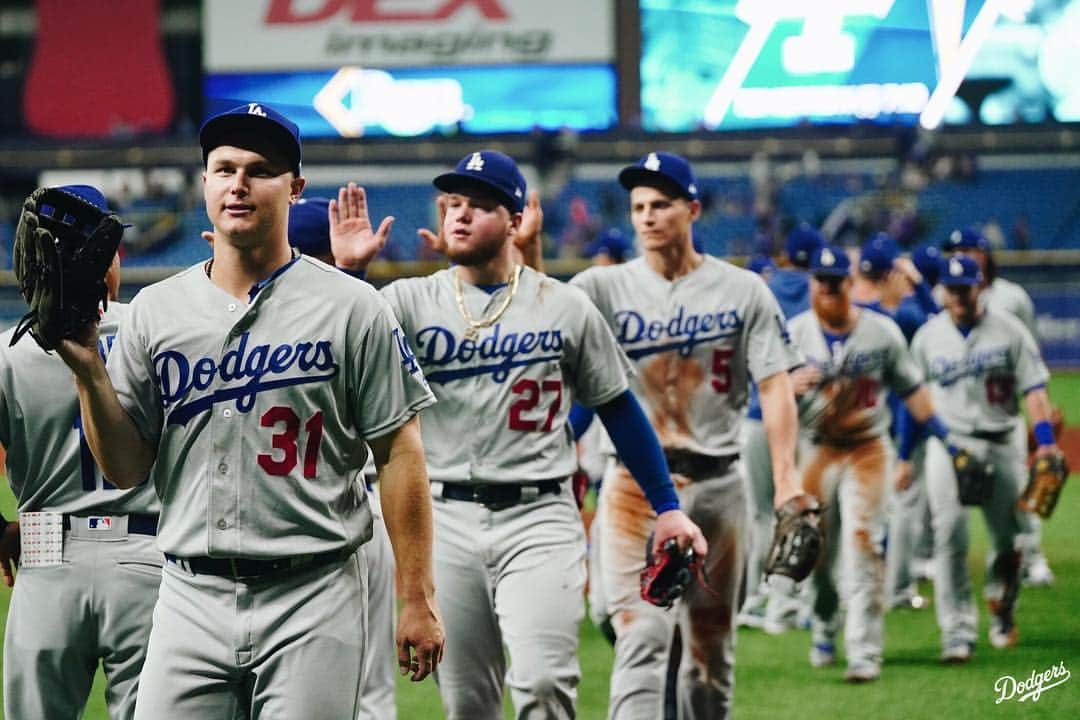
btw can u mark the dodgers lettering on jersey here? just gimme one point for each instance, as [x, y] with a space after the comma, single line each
[695, 343]
[49, 464]
[505, 397]
[496, 355]
[976, 380]
[243, 373]
[260, 413]
[682, 332]
[849, 403]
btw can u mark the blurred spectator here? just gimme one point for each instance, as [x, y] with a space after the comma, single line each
[582, 230]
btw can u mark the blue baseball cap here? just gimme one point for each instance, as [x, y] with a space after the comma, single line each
[802, 241]
[830, 261]
[309, 226]
[927, 260]
[965, 239]
[92, 195]
[878, 254]
[664, 171]
[611, 242]
[760, 264]
[960, 270]
[491, 170]
[249, 122]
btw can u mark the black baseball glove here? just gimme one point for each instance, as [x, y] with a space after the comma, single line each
[974, 478]
[667, 576]
[63, 247]
[797, 539]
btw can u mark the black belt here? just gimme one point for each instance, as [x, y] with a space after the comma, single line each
[250, 568]
[698, 466]
[1001, 436]
[136, 524]
[498, 495]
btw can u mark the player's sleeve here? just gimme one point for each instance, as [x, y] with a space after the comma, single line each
[598, 367]
[1026, 313]
[5, 389]
[388, 385]
[1031, 372]
[918, 342]
[770, 347]
[590, 282]
[904, 373]
[131, 369]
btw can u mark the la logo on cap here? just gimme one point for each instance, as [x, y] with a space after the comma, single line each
[956, 268]
[256, 109]
[652, 162]
[827, 258]
[476, 162]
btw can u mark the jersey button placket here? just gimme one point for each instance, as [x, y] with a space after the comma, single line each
[223, 500]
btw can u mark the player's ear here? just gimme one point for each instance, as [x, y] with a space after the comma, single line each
[695, 209]
[297, 187]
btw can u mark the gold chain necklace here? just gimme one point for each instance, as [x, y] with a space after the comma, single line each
[474, 326]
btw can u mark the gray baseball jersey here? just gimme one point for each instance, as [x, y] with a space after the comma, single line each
[49, 464]
[1005, 295]
[96, 604]
[975, 379]
[694, 342]
[259, 413]
[849, 402]
[510, 581]
[513, 387]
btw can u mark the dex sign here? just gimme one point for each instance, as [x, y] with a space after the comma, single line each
[284, 35]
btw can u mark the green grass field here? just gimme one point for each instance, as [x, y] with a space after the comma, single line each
[774, 679]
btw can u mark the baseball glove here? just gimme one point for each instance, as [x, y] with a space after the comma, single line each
[666, 577]
[797, 539]
[974, 478]
[1046, 478]
[63, 247]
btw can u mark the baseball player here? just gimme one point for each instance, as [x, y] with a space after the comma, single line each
[997, 293]
[977, 361]
[910, 537]
[507, 350]
[696, 329]
[773, 607]
[247, 386]
[855, 357]
[885, 280]
[790, 282]
[609, 248]
[312, 233]
[89, 570]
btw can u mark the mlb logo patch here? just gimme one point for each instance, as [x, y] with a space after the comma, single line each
[99, 523]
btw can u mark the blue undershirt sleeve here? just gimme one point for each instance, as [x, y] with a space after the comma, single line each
[925, 297]
[639, 450]
[581, 418]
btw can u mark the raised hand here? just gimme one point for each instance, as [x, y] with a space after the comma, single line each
[436, 240]
[352, 241]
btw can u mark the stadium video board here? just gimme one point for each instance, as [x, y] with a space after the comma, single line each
[743, 64]
[380, 67]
